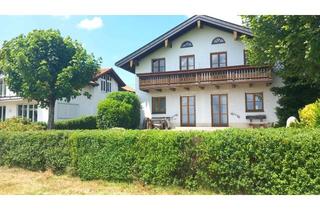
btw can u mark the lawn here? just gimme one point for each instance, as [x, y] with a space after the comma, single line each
[15, 181]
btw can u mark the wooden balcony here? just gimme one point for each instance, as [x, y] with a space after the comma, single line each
[204, 77]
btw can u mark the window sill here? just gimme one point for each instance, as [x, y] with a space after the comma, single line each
[255, 111]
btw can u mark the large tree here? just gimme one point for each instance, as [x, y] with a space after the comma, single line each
[45, 67]
[292, 45]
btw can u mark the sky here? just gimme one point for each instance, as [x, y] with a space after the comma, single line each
[108, 37]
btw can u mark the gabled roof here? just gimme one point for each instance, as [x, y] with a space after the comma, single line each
[176, 32]
[112, 73]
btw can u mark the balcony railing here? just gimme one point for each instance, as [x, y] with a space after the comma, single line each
[202, 77]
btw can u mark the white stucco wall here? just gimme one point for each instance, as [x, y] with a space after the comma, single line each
[12, 109]
[80, 106]
[202, 47]
[236, 103]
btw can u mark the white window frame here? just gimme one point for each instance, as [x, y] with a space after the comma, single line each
[3, 113]
[105, 83]
[25, 111]
[2, 87]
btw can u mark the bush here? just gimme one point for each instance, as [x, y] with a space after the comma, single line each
[103, 155]
[19, 124]
[310, 115]
[88, 122]
[233, 161]
[37, 150]
[119, 109]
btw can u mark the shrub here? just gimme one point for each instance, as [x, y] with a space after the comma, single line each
[233, 161]
[88, 122]
[119, 109]
[103, 155]
[310, 115]
[19, 124]
[37, 150]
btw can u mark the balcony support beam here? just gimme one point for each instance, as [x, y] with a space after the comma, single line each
[235, 35]
[167, 43]
[199, 24]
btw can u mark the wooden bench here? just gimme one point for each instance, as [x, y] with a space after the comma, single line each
[257, 124]
[156, 122]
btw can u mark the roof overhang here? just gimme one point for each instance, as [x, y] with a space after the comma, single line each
[129, 62]
[110, 72]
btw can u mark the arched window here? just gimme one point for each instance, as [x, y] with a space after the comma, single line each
[186, 44]
[218, 40]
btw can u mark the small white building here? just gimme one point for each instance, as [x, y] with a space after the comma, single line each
[196, 74]
[105, 82]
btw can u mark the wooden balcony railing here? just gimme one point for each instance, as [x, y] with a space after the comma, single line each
[201, 77]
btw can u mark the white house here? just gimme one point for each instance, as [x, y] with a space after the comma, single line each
[102, 84]
[196, 74]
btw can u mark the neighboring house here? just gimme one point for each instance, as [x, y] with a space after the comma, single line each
[197, 75]
[102, 84]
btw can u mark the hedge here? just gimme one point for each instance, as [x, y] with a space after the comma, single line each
[233, 161]
[36, 150]
[119, 109]
[88, 122]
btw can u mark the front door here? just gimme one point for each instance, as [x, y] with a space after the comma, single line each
[188, 110]
[219, 110]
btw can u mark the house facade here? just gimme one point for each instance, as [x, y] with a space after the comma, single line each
[197, 74]
[105, 82]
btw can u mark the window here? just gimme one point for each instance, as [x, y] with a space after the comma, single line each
[2, 113]
[218, 59]
[158, 105]
[187, 62]
[2, 88]
[28, 112]
[254, 102]
[105, 83]
[245, 57]
[186, 44]
[218, 40]
[158, 65]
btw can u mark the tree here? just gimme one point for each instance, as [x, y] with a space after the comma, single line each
[119, 109]
[45, 67]
[291, 44]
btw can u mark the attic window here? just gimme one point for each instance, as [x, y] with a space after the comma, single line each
[186, 44]
[105, 83]
[218, 40]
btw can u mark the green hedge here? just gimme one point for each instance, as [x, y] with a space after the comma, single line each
[119, 109]
[234, 161]
[37, 150]
[88, 122]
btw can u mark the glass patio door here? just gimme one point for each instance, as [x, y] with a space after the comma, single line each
[188, 110]
[219, 110]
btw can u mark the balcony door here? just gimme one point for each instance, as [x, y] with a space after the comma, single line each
[219, 110]
[188, 110]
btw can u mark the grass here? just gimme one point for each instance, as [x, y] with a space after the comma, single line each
[16, 181]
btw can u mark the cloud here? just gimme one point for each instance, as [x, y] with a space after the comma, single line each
[91, 24]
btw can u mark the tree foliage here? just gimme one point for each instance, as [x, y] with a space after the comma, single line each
[119, 109]
[45, 67]
[291, 44]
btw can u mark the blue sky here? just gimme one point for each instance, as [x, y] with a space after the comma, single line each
[109, 37]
